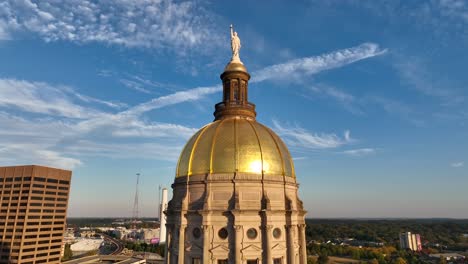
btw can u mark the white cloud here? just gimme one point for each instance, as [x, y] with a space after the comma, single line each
[64, 124]
[299, 137]
[313, 65]
[119, 150]
[359, 152]
[153, 130]
[29, 154]
[457, 9]
[414, 73]
[458, 164]
[134, 85]
[73, 128]
[166, 24]
[40, 135]
[89, 99]
[347, 100]
[39, 97]
[174, 98]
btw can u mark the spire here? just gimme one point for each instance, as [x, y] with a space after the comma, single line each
[235, 87]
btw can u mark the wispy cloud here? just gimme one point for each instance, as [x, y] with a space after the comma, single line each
[415, 74]
[313, 65]
[308, 65]
[89, 99]
[177, 26]
[174, 98]
[456, 9]
[359, 152]
[135, 86]
[345, 99]
[300, 137]
[458, 164]
[31, 155]
[40, 97]
[72, 127]
[62, 121]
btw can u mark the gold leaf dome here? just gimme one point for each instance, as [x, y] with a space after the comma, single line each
[235, 144]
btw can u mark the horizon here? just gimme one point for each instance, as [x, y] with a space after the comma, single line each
[369, 97]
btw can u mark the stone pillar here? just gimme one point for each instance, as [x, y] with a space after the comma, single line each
[290, 242]
[302, 243]
[269, 259]
[238, 230]
[181, 257]
[206, 244]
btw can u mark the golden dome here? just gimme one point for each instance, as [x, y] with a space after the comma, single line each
[235, 145]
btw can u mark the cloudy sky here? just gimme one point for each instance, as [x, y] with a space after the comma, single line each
[370, 97]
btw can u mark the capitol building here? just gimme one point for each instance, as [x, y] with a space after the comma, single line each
[235, 194]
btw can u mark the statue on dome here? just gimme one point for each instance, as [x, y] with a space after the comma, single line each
[235, 46]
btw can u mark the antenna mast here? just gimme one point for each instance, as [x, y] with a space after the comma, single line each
[135, 204]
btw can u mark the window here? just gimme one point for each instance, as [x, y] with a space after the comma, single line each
[196, 260]
[252, 234]
[196, 232]
[223, 233]
[277, 261]
[252, 261]
[236, 93]
[276, 233]
[222, 261]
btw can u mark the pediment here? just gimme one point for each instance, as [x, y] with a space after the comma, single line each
[251, 249]
[219, 249]
[193, 247]
[278, 247]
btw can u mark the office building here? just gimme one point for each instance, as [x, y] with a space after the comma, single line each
[410, 241]
[34, 201]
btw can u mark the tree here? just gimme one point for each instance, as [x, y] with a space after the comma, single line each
[374, 261]
[322, 259]
[311, 261]
[355, 254]
[92, 252]
[68, 254]
[442, 260]
[399, 260]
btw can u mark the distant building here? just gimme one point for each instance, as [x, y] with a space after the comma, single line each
[85, 245]
[410, 241]
[448, 256]
[162, 217]
[34, 201]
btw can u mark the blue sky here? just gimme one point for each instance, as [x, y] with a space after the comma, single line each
[370, 96]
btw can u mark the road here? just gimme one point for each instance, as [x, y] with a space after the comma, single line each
[118, 244]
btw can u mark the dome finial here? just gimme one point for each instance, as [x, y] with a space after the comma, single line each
[235, 46]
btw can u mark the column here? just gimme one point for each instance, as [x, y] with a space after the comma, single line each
[290, 241]
[238, 230]
[181, 257]
[269, 259]
[302, 243]
[206, 244]
[167, 251]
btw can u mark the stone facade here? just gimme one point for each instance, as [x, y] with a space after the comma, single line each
[263, 218]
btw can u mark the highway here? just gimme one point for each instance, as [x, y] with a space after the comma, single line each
[119, 246]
